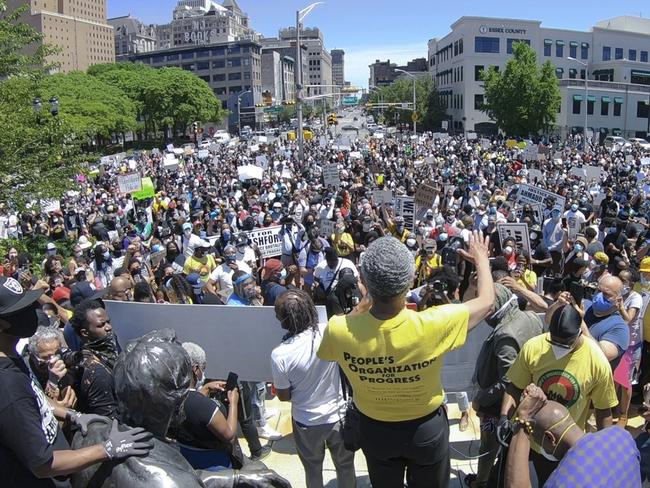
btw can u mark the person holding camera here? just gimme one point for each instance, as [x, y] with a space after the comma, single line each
[427, 262]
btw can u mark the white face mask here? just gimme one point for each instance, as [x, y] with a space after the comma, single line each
[560, 352]
[201, 382]
[548, 456]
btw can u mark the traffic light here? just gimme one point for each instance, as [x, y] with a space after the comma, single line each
[331, 119]
[195, 127]
[288, 102]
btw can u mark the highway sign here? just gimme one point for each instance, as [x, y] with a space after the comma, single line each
[273, 110]
[350, 100]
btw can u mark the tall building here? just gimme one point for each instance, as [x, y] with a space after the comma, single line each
[278, 76]
[382, 73]
[318, 77]
[338, 67]
[77, 27]
[132, 36]
[287, 48]
[611, 60]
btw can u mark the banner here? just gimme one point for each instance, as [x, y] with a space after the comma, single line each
[129, 183]
[405, 207]
[268, 240]
[382, 196]
[147, 190]
[425, 195]
[331, 176]
[530, 153]
[533, 194]
[518, 231]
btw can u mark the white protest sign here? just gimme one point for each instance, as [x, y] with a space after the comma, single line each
[331, 175]
[518, 231]
[49, 206]
[382, 196]
[268, 240]
[326, 228]
[129, 183]
[262, 139]
[535, 175]
[574, 226]
[530, 152]
[178, 151]
[250, 172]
[254, 148]
[322, 142]
[485, 144]
[170, 163]
[405, 207]
[203, 153]
[170, 147]
[425, 195]
[645, 161]
[355, 155]
[262, 161]
[471, 136]
[534, 194]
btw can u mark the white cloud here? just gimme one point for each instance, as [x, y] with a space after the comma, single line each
[358, 58]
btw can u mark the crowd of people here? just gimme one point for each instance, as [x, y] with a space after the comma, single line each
[403, 282]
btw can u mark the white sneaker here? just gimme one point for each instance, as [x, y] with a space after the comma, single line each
[268, 433]
[271, 412]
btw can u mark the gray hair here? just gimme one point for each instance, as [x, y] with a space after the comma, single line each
[45, 334]
[388, 268]
[196, 354]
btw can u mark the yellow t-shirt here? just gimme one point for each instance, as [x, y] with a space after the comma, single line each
[433, 263]
[576, 380]
[203, 267]
[395, 366]
[341, 250]
[640, 289]
[528, 279]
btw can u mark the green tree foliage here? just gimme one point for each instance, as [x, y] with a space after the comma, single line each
[430, 109]
[166, 98]
[524, 98]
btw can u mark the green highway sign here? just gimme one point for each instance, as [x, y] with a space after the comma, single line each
[273, 110]
[350, 100]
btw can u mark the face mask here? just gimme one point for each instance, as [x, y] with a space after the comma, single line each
[106, 255]
[625, 290]
[533, 236]
[493, 210]
[410, 242]
[601, 305]
[574, 208]
[187, 233]
[400, 228]
[226, 235]
[367, 227]
[199, 383]
[443, 237]
[508, 250]
[51, 252]
[283, 274]
[136, 272]
[230, 258]
[104, 348]
[578, 247]
[555, 215]
[644, 281]
[451, 219]
[78, 254]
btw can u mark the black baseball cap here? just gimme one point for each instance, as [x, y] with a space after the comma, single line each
[565, 323]
[13, 299]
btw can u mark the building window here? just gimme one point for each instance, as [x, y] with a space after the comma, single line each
[172, 57]
[478, 102]
[547, 47]
[478, 72]
[234, 76]
[644, 56]
[573, 73]
[219, 77]
[639, 77]
[631, 55]
[456, 48]
[235, 90]
[583, 73]
[607, 53]
[618, 53]
[187, 55]
[220, 90]
[577, 103]
[559, 49]
[618, 103]
[234, 62]
[203, 65]
[573, 49]
[219, 63]
[486, 45]
[205, 78]
[460, 46]
[591, 101]
[559, 72]
[604, 106]
[510, 42]
[642, 109]
[219, 51]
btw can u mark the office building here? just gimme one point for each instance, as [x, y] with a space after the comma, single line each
[317, 79]
[338, 67]
[383, 73]
[77, 27]
[612, 56]
[278, 76]
[132, 37]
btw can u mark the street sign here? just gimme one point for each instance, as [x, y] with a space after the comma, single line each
[273, 110]
[350, 100]
[414, 117]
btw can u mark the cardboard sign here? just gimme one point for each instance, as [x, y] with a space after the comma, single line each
[203, 153]
[331, 176]
[530, 153]
[129, 183]
[485, 144]
[534, 194]
[268, 240]
[425, 196]
[518, 231]
[326, 228]
[382, 196]
[405, 207]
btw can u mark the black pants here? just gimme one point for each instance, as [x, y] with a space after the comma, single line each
[644, 377]
[246, 423]
[420, 447]
[543, 467]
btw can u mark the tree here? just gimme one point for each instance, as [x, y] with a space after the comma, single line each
[524, 98]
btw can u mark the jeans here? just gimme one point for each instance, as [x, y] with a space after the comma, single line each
[418, 447]
[258, 393]
[310, 444]
[246, 422]
[461, 398]
[489, 444]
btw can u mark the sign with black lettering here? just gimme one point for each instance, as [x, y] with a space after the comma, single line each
[533, 194]
[405, 207]
[518, 231]
[129, 183]
[268, 240]
[331, 176]
[425, 195]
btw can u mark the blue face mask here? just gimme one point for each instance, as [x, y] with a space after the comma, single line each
[601, 305]
[574, 208]
[283, 274]
[226, 235]
[578, 247]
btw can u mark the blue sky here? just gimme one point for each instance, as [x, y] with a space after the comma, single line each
[396, 30]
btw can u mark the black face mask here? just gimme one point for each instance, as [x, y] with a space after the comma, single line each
[23, 323]
[105, 349]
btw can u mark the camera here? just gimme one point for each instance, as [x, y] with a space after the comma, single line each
[450, 251]
[439, 287]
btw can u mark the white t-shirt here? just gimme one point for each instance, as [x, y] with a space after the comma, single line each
[315, 386]
[222, 275]
[325, 274]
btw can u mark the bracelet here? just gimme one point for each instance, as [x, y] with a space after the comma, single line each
[524, 424]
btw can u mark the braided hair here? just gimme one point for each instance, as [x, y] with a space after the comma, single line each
[296, 312]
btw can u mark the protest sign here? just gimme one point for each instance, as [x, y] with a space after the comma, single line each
[326, 228]
[250, 172]
[322, 141]
[262, 161]
[405, 207]
[268, 240]
[534, 194]
[518, 231]
[49, 206]
[574, 226]
[510, 143]
[170, 163]
[262, 139]
[471, 136]
[331, 175]
[147, 190]
[425, 195]
[485, 144]
[203, 153]
[170, 147]
[129, 183]
[382, 196]
[535, 175]
[530, 153]
[645, 161]
[254, 148]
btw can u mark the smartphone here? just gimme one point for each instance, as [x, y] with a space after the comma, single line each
[564, 223]
[232, 381]
[577, 291]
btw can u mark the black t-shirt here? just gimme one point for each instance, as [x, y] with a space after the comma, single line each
[29, 433]
[95, 390]
[540, 253]
[193, 431]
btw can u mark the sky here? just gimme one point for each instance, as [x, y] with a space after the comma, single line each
[397, 30]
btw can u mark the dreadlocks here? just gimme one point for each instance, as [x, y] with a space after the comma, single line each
[296, 312]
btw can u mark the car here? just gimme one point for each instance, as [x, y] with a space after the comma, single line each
[616, 142]
[349, 127]
[642, 143]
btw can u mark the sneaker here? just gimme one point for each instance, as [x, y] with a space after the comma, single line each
[268, 433]
[261, 454]
[271, 412]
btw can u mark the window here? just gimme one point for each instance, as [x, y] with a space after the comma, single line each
[604, 106]
[205, 78]
[547, 47]
[188, 67]
[573, 73]
[187, 55]
[573, 49]
[631, 55]
[644, 56]
[583, 73]
[235, 89]
[559, 49]
[219, 51]
[618, 53]
[203, 65]
[642, 109]
[219, 63]
[559, 72]
[172, 57]
[607, 53]
[486, 45]
[584, 50]
[478, 70]
[618, 103]
[219, 77]
[577, 102]
[478, 102]
[234, 76]
[510, 42]
[591, 101]
[220, 91]
[234, 50]
[460, 46]
[234, 62]
[203, 53]
[456, 48]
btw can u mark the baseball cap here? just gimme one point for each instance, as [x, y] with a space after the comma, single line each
[194, 280]
[50, 246]
[565, 323]
[272, 266]
[187, 225]
[82, 291]
[18, 307]
[645, 265]
[61, 294]
[601, 257]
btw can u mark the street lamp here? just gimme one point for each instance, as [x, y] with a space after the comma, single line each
[415, 124]
[54, 106]
[372, 88]
[239, 109]
[586, 65]
[37, 105]
[300, 16]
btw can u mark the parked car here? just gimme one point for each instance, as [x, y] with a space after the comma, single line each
[616, 142]
[642, 143]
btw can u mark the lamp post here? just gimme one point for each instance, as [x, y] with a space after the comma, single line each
[239, 109]
[300, 16]
[415, 124]
[586, 65]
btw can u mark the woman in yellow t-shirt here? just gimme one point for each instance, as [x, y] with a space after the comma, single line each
[426, 264]
[525, 276]
[342, 241]
[392, 358]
